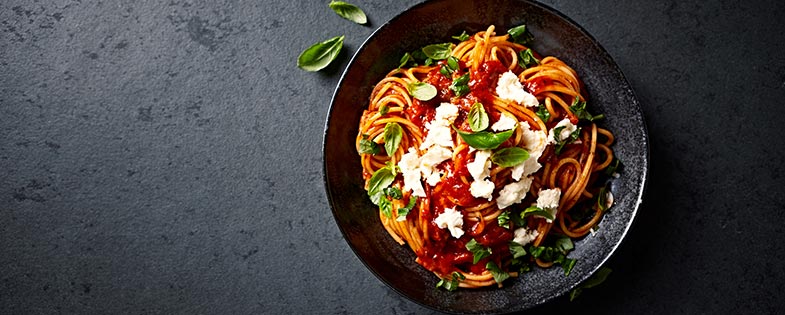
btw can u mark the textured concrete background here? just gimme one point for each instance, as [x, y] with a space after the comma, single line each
[165, 157]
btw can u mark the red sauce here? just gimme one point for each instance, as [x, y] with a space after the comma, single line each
[535, 86]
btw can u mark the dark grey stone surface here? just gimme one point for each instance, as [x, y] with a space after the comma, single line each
[165, 157]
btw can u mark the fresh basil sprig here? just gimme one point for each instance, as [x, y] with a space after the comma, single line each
[451, 285]
[484, 140]
[438, 51]
[578, 108]
[521, 35]
[478, 118]
[526, 59]
[349, 11]
[461, 37]
[509, 157]
[319, 55]
[498, 275]
[451, 66]
[421, 90]
[393, 133]
[368, 146]
[478, 250]
[460, 86]
[380, 180]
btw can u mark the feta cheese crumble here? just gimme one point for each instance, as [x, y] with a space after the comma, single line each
[569, 128]
[506, 122]
[410, 169]
[480, 168]
[513, 193]
[548, 200]
[510, 88]
[452, 220]
[439, 132]
[534, 142]
[524, 236]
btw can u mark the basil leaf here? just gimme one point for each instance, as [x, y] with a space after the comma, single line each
[453, 63]
[595, 280]
[526, 59]
[517, 250]
[421, 90]
[602, 198]
[383, 110]
[438, 51]
[615, 167]
[461, 37]
[451, 285]
[534, 210]
[319, 55]
[509, 157]
[445, 71]
[393, 192]
[564, 244]
[405, 60]
[368, 146]
[578, 108]
[543, 113]
[460, 85]
[567, 265]
[485, 140]
[385, 206]
[497, 273]
[478, 118]
[521, 35]
[380, 179]
[428, 61]
[478, 250]
[536, 251]
[349, 11]
[504, 219]
[393, 133]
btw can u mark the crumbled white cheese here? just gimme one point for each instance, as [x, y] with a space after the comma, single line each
[510, 88]
[548, 200]
[482, 189]
[439, 132]
[534, 142]
[446, 112]
[430, 159]
[524, 236]
[480, 168]
[410, 169]
[506, 122]
[569, 128]
[513, 193]
[434, 178]
[452, 220]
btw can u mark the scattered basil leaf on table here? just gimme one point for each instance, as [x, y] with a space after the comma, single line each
[349, 11]
[421, 90]
[509, 157]
[593, 281]
[318, 56]
[478, 118]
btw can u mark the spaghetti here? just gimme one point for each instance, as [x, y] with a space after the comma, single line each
[491, 163]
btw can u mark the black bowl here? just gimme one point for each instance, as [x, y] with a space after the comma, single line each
[434, 22]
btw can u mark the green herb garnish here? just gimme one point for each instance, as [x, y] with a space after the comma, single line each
[521, 35]
[438, 51]
[578, 108]
[593, 281]
[451, 285]
[561, 142]
[526, 59]
[543, 113]
[498, 274]
[421, 90]
[460, 86]
[368, 146]
[461, 37]
[402, 212]
[393, 133]
[319, 55]
[478, 250]
[535, 210]
[484, 140]
[349, 11]
[509, 157]
[478, 118]
[504, 219]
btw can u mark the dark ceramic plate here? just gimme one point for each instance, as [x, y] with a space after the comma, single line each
[435, 22]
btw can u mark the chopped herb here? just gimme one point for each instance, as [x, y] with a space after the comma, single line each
[526, 59]
[484, 140]
[517, 250]
[461, 37]
[384, 109]
[602, 198]
[509, 157]
[380, 180]
[438, 51]
[453, 63]
[421, 90]
[567, 265]
[504, 219]
[478, 250]
[402, 212]
[460, 86]
[497, 273]
[319, 55]
[578, 108]
[393, 133]
[406, 59]
[368, 146]
[349, 11]
[478, 118]
[534, 210]
[428, 62]
[451, 285]
[561, 142]
[593, 281]
[543, 113]
[564, 244]
[445, 71]
[385, 206]
[393, 192]
[521, 35]
[615, 167]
